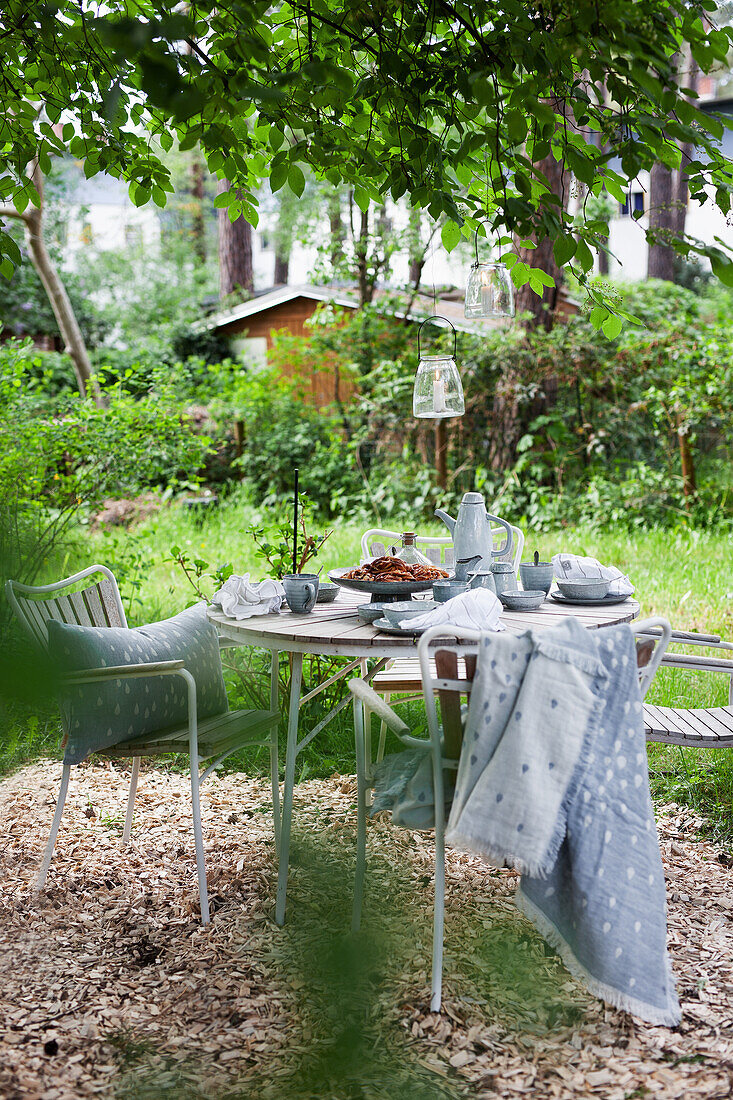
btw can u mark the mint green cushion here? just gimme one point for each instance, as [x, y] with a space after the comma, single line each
[102, 714]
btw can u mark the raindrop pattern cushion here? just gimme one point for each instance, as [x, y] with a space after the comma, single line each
[102, 714]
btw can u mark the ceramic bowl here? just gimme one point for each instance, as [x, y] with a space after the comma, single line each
[407, 609]
[327, 592]
[368, 612]
[523, 601]
[584, 589]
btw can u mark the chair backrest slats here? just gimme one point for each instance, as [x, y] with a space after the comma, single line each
[439, 548]
[80, 609]
[108, 597]
[98, 604]
[93, 601]
[446, 667]
[35, 621]
[64, 608]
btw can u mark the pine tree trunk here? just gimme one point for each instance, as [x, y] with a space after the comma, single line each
[417, 250]
[366, 287]
[336, 228]
[662, 223]
[198, 228]
[282, 269]
[235, 252]
[542, 307]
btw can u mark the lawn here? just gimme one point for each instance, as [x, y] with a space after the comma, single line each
[684, 575]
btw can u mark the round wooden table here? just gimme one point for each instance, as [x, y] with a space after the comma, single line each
[334, 629]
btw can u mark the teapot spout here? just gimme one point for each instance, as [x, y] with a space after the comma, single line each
[447, 520]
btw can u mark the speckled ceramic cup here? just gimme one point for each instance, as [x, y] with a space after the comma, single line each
[301, 591]
[537, 576]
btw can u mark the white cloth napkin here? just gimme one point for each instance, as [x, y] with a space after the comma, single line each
[240, 598]
[477, 609]
[571, 567]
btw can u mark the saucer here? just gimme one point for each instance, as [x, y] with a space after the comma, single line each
[605, 601]
[385, 625]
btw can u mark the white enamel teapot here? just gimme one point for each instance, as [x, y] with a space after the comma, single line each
[471, 531]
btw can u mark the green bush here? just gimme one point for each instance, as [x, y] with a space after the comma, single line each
[61, 456]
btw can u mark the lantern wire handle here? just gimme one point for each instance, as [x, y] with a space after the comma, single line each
[438, 317]
[475, 242]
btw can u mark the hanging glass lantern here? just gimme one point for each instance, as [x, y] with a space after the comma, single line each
[489, 290]
[438, 392]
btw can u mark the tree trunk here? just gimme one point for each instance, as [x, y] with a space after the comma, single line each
[282, 269]
[687, 462]
[198, 227]
[235, 252]
[542, 308]
[509, 419]
[682, 191]
[361, 247]
[662, 223]
[336, 227]
[62, 308]
[417, 250]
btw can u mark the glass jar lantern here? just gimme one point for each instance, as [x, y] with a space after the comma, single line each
[489, 290]
[438, 392]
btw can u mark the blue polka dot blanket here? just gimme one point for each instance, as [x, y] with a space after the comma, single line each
[553, 781]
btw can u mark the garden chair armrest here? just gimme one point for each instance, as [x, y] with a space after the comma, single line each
[94, 675]
[362, 690]
[693, 637]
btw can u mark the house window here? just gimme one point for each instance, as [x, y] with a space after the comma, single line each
[86, 236]
[634, 205]
[266, 244]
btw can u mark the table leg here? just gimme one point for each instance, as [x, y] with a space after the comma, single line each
[274, 767]
[296, 678]
[367, 736]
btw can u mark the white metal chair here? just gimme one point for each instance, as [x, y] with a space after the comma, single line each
[437, 548]
[402, 676]
[703, 727]
[99, 604]
[447, 671]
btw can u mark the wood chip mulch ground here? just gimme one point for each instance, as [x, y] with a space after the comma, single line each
[110, 988]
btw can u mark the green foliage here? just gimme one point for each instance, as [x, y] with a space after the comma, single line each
[283, 431]
[407, 99]
[196, 571]
[25, 309]
[61, 456]
[274, 544]
[152, 307]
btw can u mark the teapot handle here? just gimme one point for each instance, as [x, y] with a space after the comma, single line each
[506, 548]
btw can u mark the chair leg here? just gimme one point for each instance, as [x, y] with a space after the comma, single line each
[296, 678]
[48, 855]
[274, 764]
[361, 808]
[439, 903]
[382, 734]
[367, 731]
[199, 839]
[131, 800]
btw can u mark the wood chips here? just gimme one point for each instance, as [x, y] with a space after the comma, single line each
[111, 988]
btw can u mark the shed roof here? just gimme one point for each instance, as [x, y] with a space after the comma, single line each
[393, 302]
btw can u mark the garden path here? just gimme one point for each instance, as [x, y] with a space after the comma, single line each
[111, 988]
